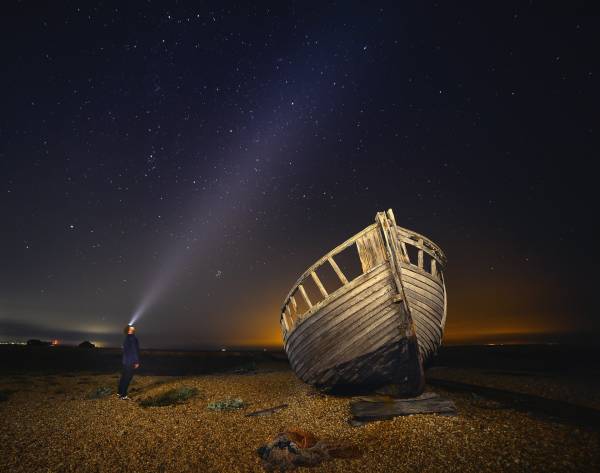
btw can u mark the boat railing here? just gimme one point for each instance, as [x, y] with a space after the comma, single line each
[370, 252]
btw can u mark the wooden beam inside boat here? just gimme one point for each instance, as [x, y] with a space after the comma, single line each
[404, 252]
[412, 238]
[319, 284]
[285, 322]
[338, 271]
[294, 304]
[305, 296]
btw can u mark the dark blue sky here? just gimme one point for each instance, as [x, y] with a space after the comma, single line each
[199, 156]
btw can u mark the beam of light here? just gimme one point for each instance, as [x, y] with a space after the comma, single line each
[263, 141]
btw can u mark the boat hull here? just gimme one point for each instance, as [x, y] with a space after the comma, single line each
[426, 297]
[380, 327]
[362, 336]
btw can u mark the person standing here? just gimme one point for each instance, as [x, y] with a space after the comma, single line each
[131, 360]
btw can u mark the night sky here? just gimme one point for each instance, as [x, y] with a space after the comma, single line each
[192, 160]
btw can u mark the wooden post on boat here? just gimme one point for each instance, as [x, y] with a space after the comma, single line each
[305, 296]
[319, 284]
[337, 270]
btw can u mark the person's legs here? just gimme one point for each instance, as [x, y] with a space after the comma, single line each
[128, 380]
[125, 380]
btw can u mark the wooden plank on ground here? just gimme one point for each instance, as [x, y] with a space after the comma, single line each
[372, 409]
[266, 412]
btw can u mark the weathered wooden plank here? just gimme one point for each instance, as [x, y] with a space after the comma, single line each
[337, 270]
[305, 296]
[319, 284]
[371, 250]
[437, 297]
[405, 257]
[414, 294]
[434, 268]
[353, 293]
[424, 335]
[381, 397]
[266, 412]
[308, 333]
[414, 270]
[367, 410]
[285, 321]
[328, 332]
[432, 314]
[420, 254]
[433, 325]
[410, 273]
[381, 329]
[294, 303]
[345, 337]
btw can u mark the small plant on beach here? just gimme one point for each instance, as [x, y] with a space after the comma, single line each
[249, 367]
[170, 397]
[226, 404]
[100, 392]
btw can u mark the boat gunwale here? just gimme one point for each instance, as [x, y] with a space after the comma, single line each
[320, 261]
[406, 235]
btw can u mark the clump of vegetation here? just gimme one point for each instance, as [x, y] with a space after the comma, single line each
[226, 404]
[100, 392]
[5, 394]
[248, 367]
[170, 397]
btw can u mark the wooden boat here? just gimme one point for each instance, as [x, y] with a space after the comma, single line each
[377, 328]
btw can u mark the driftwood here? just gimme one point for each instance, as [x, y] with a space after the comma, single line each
[368, 409]
[559, 410]
[266, 412]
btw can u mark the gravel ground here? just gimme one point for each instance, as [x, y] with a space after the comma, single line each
[49, 424]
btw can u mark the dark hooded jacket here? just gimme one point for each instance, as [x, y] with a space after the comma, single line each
[131, 350]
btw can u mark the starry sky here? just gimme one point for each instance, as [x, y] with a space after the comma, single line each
[192, 159]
